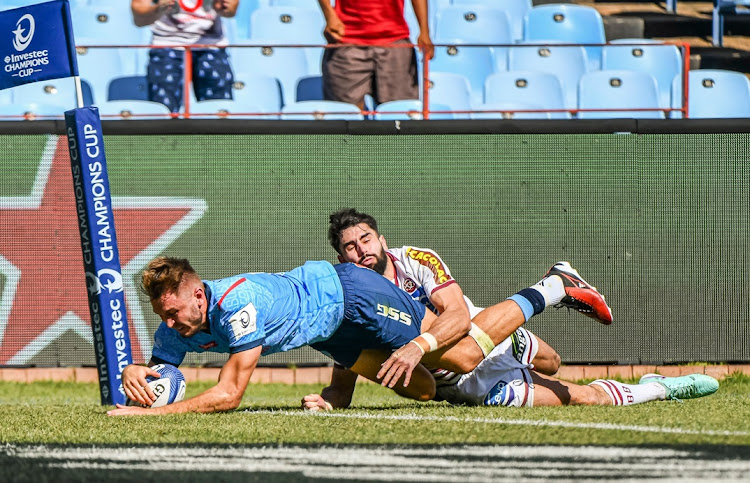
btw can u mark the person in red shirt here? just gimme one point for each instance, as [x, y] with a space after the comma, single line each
[375, 57]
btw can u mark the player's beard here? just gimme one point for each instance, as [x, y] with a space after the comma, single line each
[381, 262]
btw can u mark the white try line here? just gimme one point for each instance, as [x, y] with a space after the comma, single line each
[514, 422]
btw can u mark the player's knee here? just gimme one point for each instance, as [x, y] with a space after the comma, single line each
[555, 362]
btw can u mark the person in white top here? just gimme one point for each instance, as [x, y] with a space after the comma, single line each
[517, 366]
[174, 25]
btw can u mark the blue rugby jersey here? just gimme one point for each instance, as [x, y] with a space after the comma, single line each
[280, 311]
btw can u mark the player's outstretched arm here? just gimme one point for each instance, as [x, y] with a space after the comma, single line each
[337, 395]
[224, 396]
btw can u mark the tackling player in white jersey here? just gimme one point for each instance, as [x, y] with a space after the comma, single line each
[516, 371]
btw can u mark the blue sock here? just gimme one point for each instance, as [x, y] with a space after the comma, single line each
[531, 302]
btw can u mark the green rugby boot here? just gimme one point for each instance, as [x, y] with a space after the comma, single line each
[684, 387]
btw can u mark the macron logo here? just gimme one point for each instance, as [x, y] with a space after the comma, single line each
[21, 42]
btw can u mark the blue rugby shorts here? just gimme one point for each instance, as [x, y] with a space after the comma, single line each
[377, 315]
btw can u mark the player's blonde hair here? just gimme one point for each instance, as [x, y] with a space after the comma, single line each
[164, 275]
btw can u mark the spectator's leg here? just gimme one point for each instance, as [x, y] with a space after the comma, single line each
[348, 74]
[212, 75]
[165, 77]
[395, 74]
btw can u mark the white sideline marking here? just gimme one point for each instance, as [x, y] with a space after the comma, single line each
[515, 422]
[465, 463]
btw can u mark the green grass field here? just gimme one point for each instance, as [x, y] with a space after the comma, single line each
[69, 413]
[58, 432]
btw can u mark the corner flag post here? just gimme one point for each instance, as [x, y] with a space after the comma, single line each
[42, 48]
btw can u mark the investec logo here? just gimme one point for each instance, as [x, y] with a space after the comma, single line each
[25, 64]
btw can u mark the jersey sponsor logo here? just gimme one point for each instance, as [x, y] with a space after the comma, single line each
[409, 285]
[394, 314]
[431, 261]
[518, 338]
[208, 345]
[244, 321]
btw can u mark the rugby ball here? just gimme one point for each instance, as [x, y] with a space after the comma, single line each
[168, 388]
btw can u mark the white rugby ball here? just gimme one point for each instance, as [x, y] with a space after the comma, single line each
[168, 389]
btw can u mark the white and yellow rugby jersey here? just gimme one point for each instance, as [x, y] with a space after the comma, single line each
[421, 272]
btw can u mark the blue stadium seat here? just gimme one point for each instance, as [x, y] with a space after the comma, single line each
[310, 88]
[133, 87]
[721, 8]
[231, 109]
[507, 109]
[100, 65]
[475, 24]
[577, 24]
[31, 111]
[663, 62]
[714, 93]
[618, 89]
[409, 109]
[107, 24]
[286, 64]
[452, 90]
[257, 91]
[540, 88]
[132, 109]
[515, 9]
[474, 63]
[291, 26]
[245, 10]
[321, 110]
[568, 63]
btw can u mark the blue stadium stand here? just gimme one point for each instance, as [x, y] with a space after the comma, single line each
[515, 9]
[473, 63]
[714, 93]
[107, 24]
[56, 92]
[433, 7]
[720, 9]
[475, 24]
[128, 87]
[538, 88]
[241, 19]
[618, 89]
[409, 110]
[286, 64]
[567, 63]
[131, 109]
[100, 65]
[663, 62]
[452, 90]
[230, 109]
[291, 26]
[258, 91]
[321, 110]
[577, 24]
[32, 111]
[507, 109]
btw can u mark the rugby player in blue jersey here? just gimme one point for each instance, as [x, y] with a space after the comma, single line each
[516, 366]
[347, 311]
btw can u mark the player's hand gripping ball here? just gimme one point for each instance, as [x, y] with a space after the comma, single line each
[168, 388]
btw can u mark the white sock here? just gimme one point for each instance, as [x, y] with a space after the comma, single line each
[551, 288]
[627, 394]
